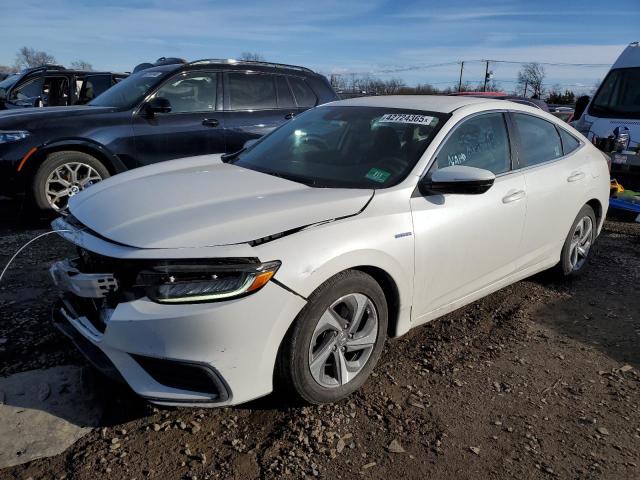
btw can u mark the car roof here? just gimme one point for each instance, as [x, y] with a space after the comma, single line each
[630, 57]
[233, 65]
[431, 103]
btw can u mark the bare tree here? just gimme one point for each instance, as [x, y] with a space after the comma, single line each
[338, 82]
[30, 57]
[81, 65]
[252, 57]
[7, 69]
[531, 78]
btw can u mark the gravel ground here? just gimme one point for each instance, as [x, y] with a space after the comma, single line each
[539, 380]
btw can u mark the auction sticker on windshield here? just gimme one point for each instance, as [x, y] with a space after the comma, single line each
[406, 118]
[377, 175]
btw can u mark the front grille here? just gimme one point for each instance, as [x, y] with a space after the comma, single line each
[185, 376]
[87, 307]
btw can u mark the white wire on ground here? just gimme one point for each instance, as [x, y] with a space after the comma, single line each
[4, 270]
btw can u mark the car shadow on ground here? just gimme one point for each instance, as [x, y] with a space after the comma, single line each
[600, 308]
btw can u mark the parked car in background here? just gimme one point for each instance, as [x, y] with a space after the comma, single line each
[563, 112]
[612, 118]
[532, 102]
[209, 281]
[157, 114]
[54, 86]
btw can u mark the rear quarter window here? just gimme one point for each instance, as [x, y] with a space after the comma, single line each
[539, 139]
[569, 142]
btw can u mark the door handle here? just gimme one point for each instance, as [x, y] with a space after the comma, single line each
[210, 122]
[575, 176]
[289, 116]
[514, 196]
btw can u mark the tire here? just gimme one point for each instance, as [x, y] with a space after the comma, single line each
[307, 340]
[87, 169]
[572, 262]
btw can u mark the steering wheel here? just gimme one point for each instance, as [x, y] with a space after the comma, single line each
[316, 141]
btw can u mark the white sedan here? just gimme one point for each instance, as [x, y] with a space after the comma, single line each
[213, 280]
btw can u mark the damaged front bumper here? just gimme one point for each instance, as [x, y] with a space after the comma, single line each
[204, 354]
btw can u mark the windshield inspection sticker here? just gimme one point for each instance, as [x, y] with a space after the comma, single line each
[406, 118]
[377, 175]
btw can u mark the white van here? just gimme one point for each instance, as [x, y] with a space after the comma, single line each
[612, 118]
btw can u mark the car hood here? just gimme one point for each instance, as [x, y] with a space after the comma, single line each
[185, 206]
[16, 115]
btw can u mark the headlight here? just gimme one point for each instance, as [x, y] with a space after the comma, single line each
[7, 136]
[190, 282]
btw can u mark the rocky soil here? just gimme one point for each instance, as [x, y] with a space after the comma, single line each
[539, 380]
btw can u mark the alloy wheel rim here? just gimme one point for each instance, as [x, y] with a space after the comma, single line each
[343, 340]
[581, 241]
[67, 180]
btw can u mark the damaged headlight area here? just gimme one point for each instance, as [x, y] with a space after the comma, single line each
[187, 282]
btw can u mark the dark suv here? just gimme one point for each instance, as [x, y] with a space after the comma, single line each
[157, 114]
[54, 86]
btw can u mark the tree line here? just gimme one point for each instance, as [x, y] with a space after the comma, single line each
[530, 81]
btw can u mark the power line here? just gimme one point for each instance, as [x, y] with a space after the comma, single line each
[410, 68]
[555, 64]
[401, 69]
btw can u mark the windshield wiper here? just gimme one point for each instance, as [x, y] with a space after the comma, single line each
[228, 157]
[293, 178]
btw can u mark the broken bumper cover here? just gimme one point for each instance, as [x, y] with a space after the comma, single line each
[211, 354]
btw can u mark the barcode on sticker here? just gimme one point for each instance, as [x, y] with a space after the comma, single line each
[406, 118]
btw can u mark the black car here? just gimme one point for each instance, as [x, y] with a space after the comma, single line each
[54, 86]
[156, 114]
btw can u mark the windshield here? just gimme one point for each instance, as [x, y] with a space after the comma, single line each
[6, 84]
[128, 92]
[344, 146]
[619, 95]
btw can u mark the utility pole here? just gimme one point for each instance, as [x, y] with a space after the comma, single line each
[486, 76]
[460, 81]
[526, 84]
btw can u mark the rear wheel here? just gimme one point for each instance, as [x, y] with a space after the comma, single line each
[62, 175]
[336, 340]
[578, 245]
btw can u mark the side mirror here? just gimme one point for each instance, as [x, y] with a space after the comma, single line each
[458, 179]
[249, 143]
[157, 105]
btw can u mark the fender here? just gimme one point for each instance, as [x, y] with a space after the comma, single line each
[85, 145]
[306, 264]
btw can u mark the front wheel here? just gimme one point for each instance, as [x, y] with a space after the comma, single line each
[336, 340]
[578, 245]
[62, 175]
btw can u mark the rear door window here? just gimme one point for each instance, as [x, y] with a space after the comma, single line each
[248, 91]
[539, 139]
[305, 98]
